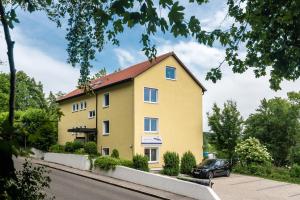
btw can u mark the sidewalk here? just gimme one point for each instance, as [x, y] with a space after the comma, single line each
[127, 185]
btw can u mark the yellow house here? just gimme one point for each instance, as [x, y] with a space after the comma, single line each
[148, 108]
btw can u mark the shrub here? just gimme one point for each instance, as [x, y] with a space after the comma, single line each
[126, 163]
[80, 151]
[90, 148]
[252, 151]
[77, 145]
[57, 148]
[188, 162]
[140, 163]
[69, 147]
[294, 155]
[295, 171]
[171, 167]
[106, 163]
[115, 153]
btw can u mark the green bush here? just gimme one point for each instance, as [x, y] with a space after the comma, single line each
[90, 148]
[171, 167]
[80, 151]
[188, 162]
[69, 147]
[126, 163]
[294, 155]
[106, 163]
[295, 171]
[77, 145]
[252, 151]
[57, 148]
[115, 153]
[140, 163]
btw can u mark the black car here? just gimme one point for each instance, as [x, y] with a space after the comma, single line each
[211, 168]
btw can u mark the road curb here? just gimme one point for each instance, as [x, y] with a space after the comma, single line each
[94, 177]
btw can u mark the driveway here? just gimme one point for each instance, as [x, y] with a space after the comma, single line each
[241, 187]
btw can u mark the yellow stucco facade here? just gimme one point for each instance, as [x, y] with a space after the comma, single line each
[178, 112]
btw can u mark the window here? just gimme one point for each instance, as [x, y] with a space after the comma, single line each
[152, 154]
[105, 151]
[75, 107]
[170, 73]
[150, 95]
[82, 105]
[150, 124]
[106, 100]
[105, 127]
[92, 114]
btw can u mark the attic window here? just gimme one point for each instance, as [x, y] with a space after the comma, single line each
[170, 73]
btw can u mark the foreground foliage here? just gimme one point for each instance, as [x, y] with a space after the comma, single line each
[140, 162]
[29, 183]
[188, 162]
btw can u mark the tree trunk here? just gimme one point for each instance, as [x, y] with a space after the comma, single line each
[10, 54]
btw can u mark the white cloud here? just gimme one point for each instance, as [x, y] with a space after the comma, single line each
[125, 58]
[243, 88]
[55, 75]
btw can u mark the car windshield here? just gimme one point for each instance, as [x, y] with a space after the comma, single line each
[207, 163]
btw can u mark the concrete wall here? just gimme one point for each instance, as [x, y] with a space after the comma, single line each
[71, 160]
[179, 111]
[161, 182]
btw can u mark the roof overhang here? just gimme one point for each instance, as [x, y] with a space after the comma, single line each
[82, 130]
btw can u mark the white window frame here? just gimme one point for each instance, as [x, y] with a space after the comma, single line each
[75, 107]
[157, 154]
[89, 114]
[102, 152]
[103, 127]
[157, 125]
[154, 102]
[82, 105]
[103, 101]
[173, 79]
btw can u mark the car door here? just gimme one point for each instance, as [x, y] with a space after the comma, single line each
[218, 168]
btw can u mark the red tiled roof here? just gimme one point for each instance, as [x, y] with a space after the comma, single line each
[126, 74]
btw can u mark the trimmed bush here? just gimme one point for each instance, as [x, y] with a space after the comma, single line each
[69, 147]
[106, 163]
[80, 151]
[57, 148]
[90, 148]
[188, 162]
[140, 163]
[295, 171]
[126, 163]
[77, 145]
[171, 167]
[115, 153]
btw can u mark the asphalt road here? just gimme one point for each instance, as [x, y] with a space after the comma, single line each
[68, 186]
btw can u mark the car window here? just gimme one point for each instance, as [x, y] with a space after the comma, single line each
[218, 163]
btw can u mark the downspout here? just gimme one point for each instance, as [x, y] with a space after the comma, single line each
[96, 118]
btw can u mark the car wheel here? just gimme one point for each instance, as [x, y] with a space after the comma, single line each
[210, 175]
[227, 173]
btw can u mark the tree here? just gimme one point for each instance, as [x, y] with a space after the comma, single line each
[276, 124]
[100, 73]
[29, 93]
[40, 128]
[226, 126]
[252, 151]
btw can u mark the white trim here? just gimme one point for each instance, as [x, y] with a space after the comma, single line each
[103, 100]
[92, 116]
[157, 154]
[172, 79]
[151, 102]
[157, 125]
[105, 148]
[103, 127]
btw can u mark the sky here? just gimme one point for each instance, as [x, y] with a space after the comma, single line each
[40, 51]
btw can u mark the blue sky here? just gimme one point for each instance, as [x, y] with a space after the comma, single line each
[40, 51]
